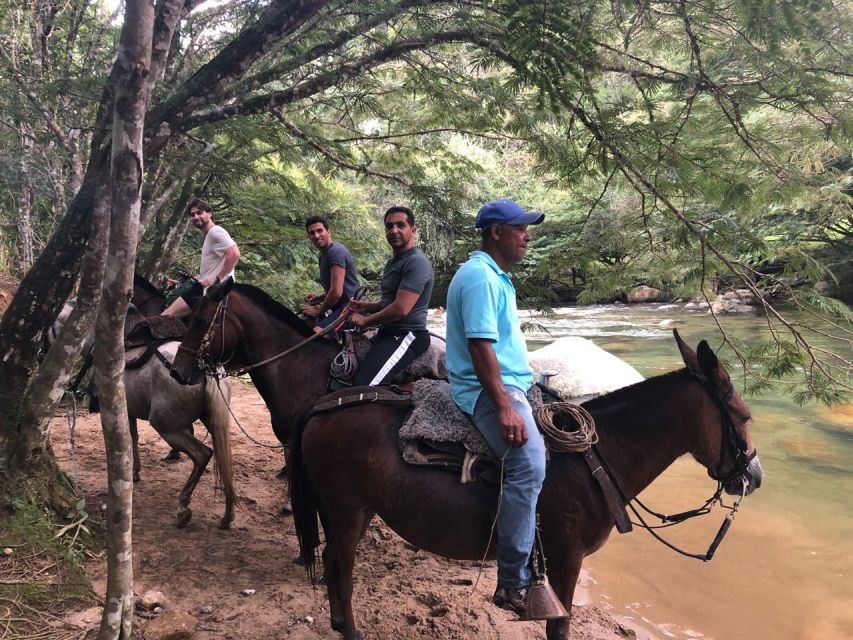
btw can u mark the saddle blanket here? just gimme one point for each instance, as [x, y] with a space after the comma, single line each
[436, 417]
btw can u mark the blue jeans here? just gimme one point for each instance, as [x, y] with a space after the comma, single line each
[524, 473]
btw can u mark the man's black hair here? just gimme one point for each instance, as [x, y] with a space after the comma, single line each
[401, 209]
[315, 220]
[201, 205]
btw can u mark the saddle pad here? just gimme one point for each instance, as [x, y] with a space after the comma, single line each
[436, 417]
[156, 328]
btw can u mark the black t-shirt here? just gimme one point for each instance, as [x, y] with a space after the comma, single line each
[411, 271]
[339, 255]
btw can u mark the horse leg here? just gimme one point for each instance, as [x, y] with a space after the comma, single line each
[199, 453]
[563, 571]
[347, 529]
[287, 508]
[134, 439]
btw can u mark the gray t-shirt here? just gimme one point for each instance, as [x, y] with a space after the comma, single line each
[411, 271]
[338, 254]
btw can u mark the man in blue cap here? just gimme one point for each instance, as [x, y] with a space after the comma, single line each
[489, 378]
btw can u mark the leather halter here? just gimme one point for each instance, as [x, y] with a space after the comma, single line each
[729, 435]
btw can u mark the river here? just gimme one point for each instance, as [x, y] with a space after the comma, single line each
[785, 570]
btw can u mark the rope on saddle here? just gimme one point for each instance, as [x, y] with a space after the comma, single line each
[555, 420]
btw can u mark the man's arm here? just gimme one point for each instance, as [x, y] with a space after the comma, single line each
[399, 308]
[336, 289]
[489, 374]
[230, 259]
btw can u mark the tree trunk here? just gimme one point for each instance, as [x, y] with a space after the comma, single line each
[169, 236]
[26, 201]
[132, 91]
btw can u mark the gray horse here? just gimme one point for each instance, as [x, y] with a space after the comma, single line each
[171, 408]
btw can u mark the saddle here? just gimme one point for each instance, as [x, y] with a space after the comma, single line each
[436, 433]
[430, 365]
[150, 334]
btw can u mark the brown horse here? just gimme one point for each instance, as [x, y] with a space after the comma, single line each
[146, 297]
[251, 328]
[346, 466]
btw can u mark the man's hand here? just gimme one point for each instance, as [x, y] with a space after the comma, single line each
[358, 319]
[515, 431]
[310, 311]
[310, 297]
[171, 282]
[358, 305]
[206, 282]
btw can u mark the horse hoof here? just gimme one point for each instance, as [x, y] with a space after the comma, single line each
[185, 514]
[338, 625]
[299, 560]
[136, 477]
[225, 523]
[286, 510]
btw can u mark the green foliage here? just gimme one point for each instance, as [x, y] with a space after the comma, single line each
[686, 146]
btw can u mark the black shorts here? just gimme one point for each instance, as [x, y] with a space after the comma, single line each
[390, 353]
[192, 295]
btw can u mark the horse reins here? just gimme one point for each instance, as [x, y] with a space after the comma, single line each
[217, 370]
[742, 459]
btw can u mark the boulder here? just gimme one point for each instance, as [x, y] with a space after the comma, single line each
[172, 625]
[645, 294]
[585, 369]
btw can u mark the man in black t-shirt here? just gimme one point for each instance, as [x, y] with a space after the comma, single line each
[402, 310]
[337, 275]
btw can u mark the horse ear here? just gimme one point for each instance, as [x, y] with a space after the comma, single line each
[708, 361]
[216, 292]
[687, 354]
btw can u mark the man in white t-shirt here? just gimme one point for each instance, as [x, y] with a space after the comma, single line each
[219, 256]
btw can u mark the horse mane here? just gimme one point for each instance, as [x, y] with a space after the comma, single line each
[274, 308]
[632, 393]
[142, 283]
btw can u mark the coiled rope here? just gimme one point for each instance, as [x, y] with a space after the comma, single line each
[568, 427]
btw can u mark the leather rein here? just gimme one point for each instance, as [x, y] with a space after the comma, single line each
[731, 438]
[215, 368]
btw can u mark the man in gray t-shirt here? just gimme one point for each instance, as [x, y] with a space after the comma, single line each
[402, 309]
[337, 275]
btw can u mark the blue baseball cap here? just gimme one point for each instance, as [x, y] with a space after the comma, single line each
[505, 212]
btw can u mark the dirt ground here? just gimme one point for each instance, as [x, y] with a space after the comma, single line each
[400, 592]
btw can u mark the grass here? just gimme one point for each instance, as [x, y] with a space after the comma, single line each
[41, 573]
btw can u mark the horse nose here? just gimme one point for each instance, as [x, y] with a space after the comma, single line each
[756, 472]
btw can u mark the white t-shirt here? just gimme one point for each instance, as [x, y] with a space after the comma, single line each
[216, 243]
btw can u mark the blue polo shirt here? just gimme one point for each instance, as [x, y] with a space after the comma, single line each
[481, 304]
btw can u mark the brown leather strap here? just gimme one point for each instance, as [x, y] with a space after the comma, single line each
[367, 395]
[611, 494]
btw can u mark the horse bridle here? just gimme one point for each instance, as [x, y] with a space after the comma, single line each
[214, 368]
[729, 436]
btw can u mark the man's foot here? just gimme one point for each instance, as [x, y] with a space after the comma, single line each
[514, 600]
[173, 456]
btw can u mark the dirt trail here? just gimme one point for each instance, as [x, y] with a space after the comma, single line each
[400, 592]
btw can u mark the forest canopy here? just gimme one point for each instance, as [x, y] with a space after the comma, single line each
[684, 145]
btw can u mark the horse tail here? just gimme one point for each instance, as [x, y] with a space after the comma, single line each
[303, 499]
[219, 422]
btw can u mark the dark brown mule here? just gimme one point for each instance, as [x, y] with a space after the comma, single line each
[347, 464]
[256, 327]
